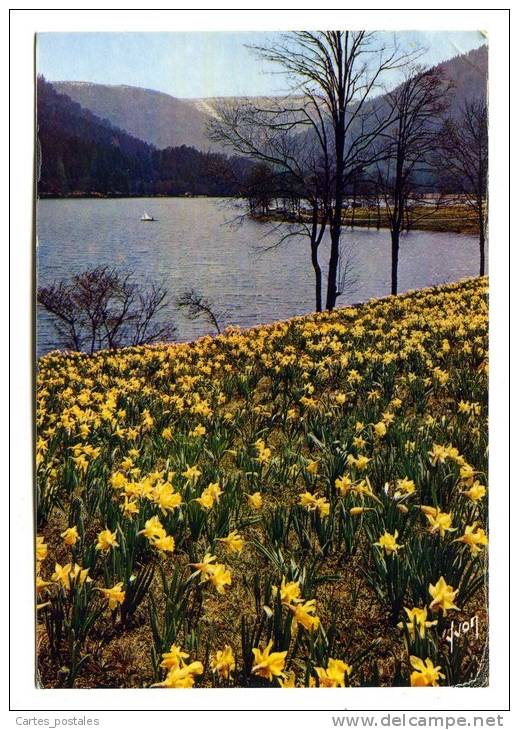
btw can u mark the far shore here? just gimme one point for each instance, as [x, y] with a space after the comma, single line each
[445, 219]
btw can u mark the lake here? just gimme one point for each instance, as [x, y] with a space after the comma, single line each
[198, 243]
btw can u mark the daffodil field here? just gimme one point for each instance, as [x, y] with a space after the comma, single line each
[303, 504]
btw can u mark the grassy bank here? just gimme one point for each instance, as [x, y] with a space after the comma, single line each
[449, 219]
[301, 504]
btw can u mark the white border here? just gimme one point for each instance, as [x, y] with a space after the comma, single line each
[24, 697]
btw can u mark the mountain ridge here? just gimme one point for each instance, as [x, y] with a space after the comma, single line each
[163, 120]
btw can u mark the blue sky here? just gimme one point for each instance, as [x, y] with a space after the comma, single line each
[196, 64]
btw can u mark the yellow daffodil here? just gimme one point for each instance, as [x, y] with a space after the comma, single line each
[443, 596]
[167, 434]
[474, 537]
[223, 662]
[406, 485]
[289, 592]
[476, 492]
[192, 474]
[312, 467]
[153, 529]
[335, 673]
[106, 540]
[129, 508]
[181, 677]
[440, 522]
[303, 614]
[255, 500]
[174, 657]
[166, 499]
[41, 584]
[205, 567]
[425, 674]
[164, 544]
[343, 484]
[198, 431]
[220, 576]
[205, 500]
[233, 542]
[114, 596]
[70, 536]
[388, 543]
[41, 549]
[267, 664]
[417, 620]
[380, 429]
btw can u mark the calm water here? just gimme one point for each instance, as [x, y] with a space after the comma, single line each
[192, 245]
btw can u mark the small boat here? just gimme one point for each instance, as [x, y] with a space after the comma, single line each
[147, 217]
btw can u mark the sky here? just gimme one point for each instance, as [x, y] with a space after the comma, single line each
[193, 65]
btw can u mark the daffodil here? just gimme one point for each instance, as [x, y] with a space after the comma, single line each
[335, 673]
[255, 500]
[443, 596]
[356, 511]
[192, 474]
[79, 575]
[41, 549]
[106, 540]
[167, 433]
[181, 677]
[417, 620]
[70, 536]
[476, 492]
[205, 500]
[153, 529]
[312, 467]
[223, 662]
[167, 499]
[380, 429]
[425, 674]
[220, 576]
[474, 537]
[198, 431]
[164, 544]
[114, 595]
[233, 542]
[440, 522]
[388, 542]
[267, 664]
[343, 484]
[311, 502]
[205, 567]
[406, 485]
[41, 584]
[174, 657]
[129, 508]
[303, 614]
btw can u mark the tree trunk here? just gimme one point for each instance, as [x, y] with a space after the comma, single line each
[481, 252]
[482, 237]
[318, 280]
[331, 292]
[395, 246]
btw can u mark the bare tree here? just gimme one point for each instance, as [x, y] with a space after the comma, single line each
[104, 308]
[416, 106]
[290, 164]
[199, 307]
[462, 163]
[322, 135]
